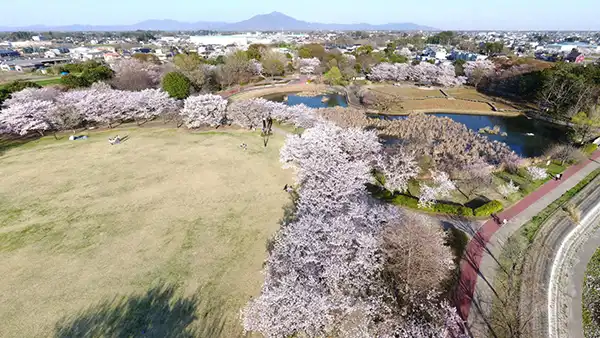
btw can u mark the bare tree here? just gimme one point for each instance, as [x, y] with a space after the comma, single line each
[417, 259]
[564, 153]
[273, 63]
[236, 70]
[509, 318]
[135, 75]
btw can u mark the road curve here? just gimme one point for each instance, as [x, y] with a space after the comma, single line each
[562, 284]
[538, 262]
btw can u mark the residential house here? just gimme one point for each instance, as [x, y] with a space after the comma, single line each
[7, 53]
[434, 52]
[23, 65]
[467, 56]
[111, 56]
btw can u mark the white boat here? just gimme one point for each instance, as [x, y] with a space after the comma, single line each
[529, 134]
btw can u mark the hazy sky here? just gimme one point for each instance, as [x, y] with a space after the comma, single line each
[444, 14]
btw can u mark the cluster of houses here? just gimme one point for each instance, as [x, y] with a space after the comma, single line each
[13, 60]
[39, 53]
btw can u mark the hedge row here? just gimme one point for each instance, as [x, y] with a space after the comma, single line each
[413, 202]
[489, 208]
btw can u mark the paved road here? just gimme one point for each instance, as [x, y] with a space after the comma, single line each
[575, 286]
[540, 258]
[567, 273]
[478, 268]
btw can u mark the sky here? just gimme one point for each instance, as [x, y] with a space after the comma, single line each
[443, 14]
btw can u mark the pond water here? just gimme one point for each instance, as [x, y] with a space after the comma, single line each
[332, 100]
[527, 137]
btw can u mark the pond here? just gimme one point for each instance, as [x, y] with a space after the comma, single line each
[331, 100]
[527, 137]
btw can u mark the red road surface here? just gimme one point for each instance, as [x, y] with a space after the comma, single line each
[469, 268]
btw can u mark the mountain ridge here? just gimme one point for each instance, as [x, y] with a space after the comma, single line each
[274, 21]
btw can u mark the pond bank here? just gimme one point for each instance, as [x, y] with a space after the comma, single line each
[449, 111]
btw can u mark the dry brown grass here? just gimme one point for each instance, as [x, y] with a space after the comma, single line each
[439, 103]
[83, 222]
[445, 104]
[408, 91]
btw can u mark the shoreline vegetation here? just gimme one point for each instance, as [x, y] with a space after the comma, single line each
[452, 111]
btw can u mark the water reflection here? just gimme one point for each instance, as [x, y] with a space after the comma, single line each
[319, 101]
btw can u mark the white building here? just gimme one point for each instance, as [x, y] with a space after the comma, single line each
[225, 40]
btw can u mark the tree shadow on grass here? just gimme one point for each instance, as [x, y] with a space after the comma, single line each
[8, 143]
[157, 313]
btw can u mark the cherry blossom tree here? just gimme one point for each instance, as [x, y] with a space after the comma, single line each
[256, 67]
[326, 257]
[151, 103]
[133, 74]
[249, 113]
[398, 168]
[31, 94]
[442, 187]
[309, 66]
[389, 72]
[204, 110]
[339, 179]
[324, 272]
[100, 104]
[508, 189]
[26, 117]
[424, 72]
[537, 173]
[476, 71]
[474, 177]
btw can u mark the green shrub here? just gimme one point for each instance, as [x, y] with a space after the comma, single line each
[73, 81]
[413, 202]
[177, 85]
[589, 148]
[489, 208]
[452, 209]
[100, 73]
[406, 201]
[15, 86]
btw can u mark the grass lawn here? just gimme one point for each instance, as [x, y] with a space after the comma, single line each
[591, 294]
[165, 231]
[408, 91]
[48, 82]
[414, 99]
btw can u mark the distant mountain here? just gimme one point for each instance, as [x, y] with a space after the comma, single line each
[278, 21]
[264, 22]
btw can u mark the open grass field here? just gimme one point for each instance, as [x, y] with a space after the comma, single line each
[163, 235]
[429, 100]
[407, 91]
[48, 82]
[42, 80]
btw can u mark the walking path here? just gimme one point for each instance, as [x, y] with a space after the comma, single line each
[541, 258]
[479, 262]
[560, 287]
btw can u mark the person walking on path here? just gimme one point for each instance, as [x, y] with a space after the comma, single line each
[478, 260]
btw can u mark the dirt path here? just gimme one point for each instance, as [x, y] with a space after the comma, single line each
[479, 264]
